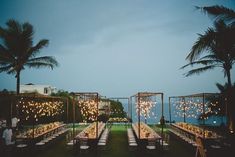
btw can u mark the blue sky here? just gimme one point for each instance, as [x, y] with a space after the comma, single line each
[117, 48]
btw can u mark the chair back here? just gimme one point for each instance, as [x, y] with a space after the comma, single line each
[200, 147]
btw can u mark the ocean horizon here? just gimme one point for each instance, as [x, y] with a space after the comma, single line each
[155, 115]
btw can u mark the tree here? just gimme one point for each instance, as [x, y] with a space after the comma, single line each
[218, 47]
[17, 50]
[214, 48]
[117, 109]
[224, 44]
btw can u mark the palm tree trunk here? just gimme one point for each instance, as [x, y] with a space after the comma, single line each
[229, 78]
[230, 108]
[18, 82]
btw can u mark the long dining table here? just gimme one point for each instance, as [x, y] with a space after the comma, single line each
[146, 132]
[33, 135]
[196, 131]
[89, 132]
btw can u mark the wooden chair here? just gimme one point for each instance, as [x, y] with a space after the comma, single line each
[166, 142]
[83, 145]
[201, 151]
[151, 144]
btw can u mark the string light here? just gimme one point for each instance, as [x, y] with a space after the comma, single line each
[197, 130]
[88, 109]
[193, 108]
[145, 106]
[39, 130]
[35, 109]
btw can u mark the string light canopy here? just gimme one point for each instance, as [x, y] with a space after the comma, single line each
[35, 107]
[89, 105]
[196, 106]
[144, 102]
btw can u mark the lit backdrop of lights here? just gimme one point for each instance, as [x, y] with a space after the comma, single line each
[34, 109]
[193, 107]
[146, 105]
[89, 105]
[88, 109]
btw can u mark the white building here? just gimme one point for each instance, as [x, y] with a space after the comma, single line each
[41, 89]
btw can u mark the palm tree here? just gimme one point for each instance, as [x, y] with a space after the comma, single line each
[218, 45]
[228, 15]
[220, 13]
[17, 50]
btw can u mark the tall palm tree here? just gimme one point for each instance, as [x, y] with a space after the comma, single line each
[228, 15]
[17, 50]
[218, 47]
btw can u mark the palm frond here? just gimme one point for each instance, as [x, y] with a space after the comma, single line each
[27, 35]
[14, 26]
[202, 44]
[35, 49]
[39, 65]
[5, 68]
[201, 62]
[199, 70]
[220, 87]
[212, 56]
[46, 61]
[5, 55]
[219, 12]
[2, 32]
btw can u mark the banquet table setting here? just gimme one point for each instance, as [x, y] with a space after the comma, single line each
[146, 132]
[196, 130]
[90, 131]
[41, 130]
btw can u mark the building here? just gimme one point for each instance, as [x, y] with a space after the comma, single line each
[41, 89]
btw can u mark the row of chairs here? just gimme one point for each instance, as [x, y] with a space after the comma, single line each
[104, 138]
[51, 137]
[131, 138]
[184, 136]
[151, 144]
[83, 144]
[165, 141]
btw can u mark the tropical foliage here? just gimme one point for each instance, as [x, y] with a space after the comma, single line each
[217, 45]
[220, 13]
[117, 109]
[216, 48]
[17, 50]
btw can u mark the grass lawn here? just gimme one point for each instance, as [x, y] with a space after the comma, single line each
[117, 147]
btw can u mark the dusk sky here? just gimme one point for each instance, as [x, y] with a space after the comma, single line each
[116, 47]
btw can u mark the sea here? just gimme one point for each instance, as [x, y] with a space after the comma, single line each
[156, 113]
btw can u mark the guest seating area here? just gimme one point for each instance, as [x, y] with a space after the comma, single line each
[131, 138]
[190, 139]
[104, 138]
[52, 136]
